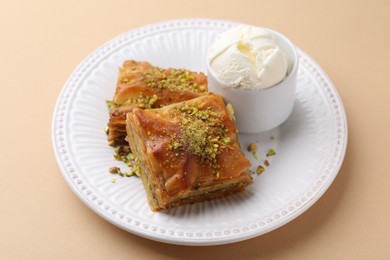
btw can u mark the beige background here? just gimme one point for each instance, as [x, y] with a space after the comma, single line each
[43, 41]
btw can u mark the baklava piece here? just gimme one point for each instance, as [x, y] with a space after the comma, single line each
[188, 152]
[141, 85]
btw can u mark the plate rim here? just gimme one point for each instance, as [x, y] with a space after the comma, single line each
[67, 171]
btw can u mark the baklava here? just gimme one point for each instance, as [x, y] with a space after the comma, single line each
[142, 85]
[187, 152]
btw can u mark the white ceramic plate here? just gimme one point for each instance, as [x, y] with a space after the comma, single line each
[310, 146]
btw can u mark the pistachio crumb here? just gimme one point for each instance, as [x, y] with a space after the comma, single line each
[271, 152]
[109, 103]
[226, 140]
[113, 180]
[252, 147]
[266, 163]
[114, 170]
[259, 169]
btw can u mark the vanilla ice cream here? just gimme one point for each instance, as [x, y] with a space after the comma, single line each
[248, 57]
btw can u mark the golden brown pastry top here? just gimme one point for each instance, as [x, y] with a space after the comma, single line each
[192, 144]
[164, 86]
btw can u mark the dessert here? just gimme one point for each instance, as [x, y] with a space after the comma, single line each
[248, 57]
[254, 69]
[187, 152]
[142, 85]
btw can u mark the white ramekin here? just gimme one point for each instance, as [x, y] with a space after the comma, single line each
[260, 110]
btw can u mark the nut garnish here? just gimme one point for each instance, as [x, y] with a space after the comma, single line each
[201, 134]
[253, 149]
[266, 163]
[271, 152]
[181, 79]
[259, 169]
[124, 154]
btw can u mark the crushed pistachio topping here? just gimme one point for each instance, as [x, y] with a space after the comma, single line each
[271, 152]
[113, 180]
[142, 101]
[201, 134]
[180, 79]
[110, 103]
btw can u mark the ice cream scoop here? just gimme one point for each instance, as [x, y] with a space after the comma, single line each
[255, 70]
[248, 57]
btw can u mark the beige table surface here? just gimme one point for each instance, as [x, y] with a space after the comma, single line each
[43, 41]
